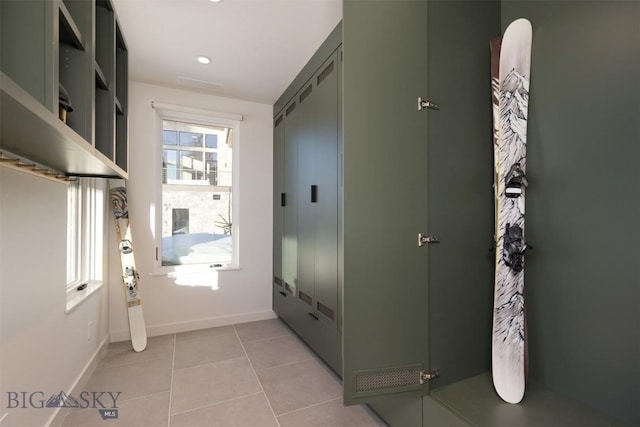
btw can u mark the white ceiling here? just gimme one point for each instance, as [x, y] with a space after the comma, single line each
[256, 46]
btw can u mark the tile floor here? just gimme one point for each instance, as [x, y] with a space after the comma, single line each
[247, 375]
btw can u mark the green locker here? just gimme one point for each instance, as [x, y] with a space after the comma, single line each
[318, 193]
[416, 316]
[308, 299]
[318, 211]
[290, 236]
[285, 211]
[413, 321]
[279, 200]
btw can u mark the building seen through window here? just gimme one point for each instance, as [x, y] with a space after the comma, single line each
[196, 194]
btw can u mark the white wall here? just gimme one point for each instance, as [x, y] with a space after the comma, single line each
[41, 348]
[197, 302]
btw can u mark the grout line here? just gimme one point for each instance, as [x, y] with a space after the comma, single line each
[117, 365]
[268, 338]
[310, 406]
[204, 337]
[312, 357]
[217, 403]
[244, 356]
[173, 361]
[275, 417]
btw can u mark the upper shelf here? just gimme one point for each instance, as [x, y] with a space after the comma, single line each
[30, 130]
[69, 31]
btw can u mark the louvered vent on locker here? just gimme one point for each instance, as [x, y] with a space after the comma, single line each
[291, 108]
[304, 297]
[325, 73]
[388, 380]
[279, 120]
[325, 310]
[306, 93]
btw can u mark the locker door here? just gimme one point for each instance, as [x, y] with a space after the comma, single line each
[282, 300]
[290, 232]
[326, 184]
[385, 202]
[307, 112]
[278, 198]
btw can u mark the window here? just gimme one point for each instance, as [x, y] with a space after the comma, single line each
[197, 216]
[86, 211]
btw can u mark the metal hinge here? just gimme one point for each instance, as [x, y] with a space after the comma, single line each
[426, 104]
[424, 239]
[428, 375]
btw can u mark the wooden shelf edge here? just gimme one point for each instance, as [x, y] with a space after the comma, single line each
[71, 27]
[30, 130]
[119, 109]
[101, 80]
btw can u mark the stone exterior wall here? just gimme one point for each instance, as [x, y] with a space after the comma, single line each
[205, 213]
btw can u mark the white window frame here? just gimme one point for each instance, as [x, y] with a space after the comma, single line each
[205, 118]
[86, 228]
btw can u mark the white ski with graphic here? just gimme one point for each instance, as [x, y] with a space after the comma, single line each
[118, 196]
[509, 326]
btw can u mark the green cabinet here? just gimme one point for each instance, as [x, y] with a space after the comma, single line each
[285, 167]
[412, 310]
[415, 320]
[318, 193]
[77, 44]
[306, 231]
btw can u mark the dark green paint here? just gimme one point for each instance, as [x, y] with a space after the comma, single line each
[583, 204]
[385, 193]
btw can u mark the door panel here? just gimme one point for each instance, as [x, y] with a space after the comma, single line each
[278, 191]
[290, 241]
[326, 179]
[307, 112]
[460, 195]
[385, 195]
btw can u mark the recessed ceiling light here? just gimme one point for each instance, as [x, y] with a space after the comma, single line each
[204, 59]
[215, 1]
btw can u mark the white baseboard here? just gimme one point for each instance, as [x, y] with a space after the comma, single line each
[57, 418]
[193, 325]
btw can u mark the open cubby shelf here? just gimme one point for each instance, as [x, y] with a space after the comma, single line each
[83, 50]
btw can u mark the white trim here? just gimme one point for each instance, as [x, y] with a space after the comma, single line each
[206, 118]
[193, 325]
[57, 418]
[179, 110]
[75, 297]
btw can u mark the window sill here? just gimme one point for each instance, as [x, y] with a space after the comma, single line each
[75, 297]
[193, 269]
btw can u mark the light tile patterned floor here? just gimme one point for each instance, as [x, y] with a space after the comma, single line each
[255, 374]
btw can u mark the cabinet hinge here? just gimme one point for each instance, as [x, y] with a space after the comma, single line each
[423, 239]
[422, 104]
[428, 375]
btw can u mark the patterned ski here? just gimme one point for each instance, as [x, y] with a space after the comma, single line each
[511, 91]
[130, 276]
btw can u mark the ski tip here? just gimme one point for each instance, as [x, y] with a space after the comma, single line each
[511, 395]
[520, 25]
[139, 345]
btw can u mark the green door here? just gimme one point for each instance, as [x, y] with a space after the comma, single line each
[410, 308]
[290, 228]
[278, 198]
[385, 203]
[326, 192]
[307, 112]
